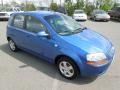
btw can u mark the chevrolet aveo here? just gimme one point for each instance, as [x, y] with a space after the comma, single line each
[57, 38]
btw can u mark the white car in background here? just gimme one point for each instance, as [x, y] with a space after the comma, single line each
[4, 15]
[79, 15]
[7, 12]
[98, 15]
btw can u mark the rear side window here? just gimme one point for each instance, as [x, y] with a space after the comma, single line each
[18, 21]
[34, 25]
[10, 20]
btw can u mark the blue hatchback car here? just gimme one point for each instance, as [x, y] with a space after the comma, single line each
[57, 38]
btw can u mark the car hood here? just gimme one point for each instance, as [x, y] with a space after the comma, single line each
[89, 41]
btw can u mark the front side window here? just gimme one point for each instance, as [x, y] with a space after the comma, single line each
[34, 25]
[63, 25]
[19, 21]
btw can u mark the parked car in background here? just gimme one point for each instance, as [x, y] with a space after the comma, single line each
[5, 13]
[98, 15]
[59, 39]
[115, 13]
[79, 15]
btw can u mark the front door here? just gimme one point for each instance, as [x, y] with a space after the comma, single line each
[35, 43]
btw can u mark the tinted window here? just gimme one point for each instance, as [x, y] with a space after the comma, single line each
[100, 12]
[34, 25]
[18, 21]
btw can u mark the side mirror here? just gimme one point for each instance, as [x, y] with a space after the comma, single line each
[43, 34]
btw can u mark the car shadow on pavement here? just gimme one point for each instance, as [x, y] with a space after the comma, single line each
[42, 66]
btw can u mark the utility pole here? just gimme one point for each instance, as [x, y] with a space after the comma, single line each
[2, 2]
[25, 5]
[60, 3]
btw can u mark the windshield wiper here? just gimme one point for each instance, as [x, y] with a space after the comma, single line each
[80, 29]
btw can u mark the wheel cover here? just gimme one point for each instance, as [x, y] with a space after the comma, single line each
[66, 69]
[12, 45]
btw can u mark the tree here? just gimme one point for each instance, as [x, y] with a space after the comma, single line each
[89, 8]
[23, 6]
[80, 4]
[107, 5]
[54, 6]
[30, 7]
[69, 7]
[13, 3]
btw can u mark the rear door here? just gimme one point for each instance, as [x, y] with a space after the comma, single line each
[16, 29]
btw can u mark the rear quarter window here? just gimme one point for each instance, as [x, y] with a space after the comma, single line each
[18, 21]
[10, 20]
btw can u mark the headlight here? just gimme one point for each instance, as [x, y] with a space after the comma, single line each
[96, 57]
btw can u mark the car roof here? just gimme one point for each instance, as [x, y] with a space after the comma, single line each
[37, 13]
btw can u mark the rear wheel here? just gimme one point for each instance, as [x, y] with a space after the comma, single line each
[67, 68]
[12, 45]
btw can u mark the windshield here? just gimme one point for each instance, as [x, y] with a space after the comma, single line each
[100, 12]
[79, 11]
[64, 25]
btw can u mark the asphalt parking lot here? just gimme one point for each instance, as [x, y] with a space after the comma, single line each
[22, 71]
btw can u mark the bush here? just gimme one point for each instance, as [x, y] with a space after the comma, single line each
[54, 6]
[30, 7]
[89, 8]
[80, 4]
[70, 8]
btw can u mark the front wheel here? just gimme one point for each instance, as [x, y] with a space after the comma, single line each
[12, 45]
[94, 18]
[67, 68]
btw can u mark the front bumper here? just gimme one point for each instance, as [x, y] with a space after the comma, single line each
[80, 18]
[102, 18]
[4, 17]
[93, 71]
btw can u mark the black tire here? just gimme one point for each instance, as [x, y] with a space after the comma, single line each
[73, 64]
[106, 20]
[94, 18]
[119, 19]
[10, 41]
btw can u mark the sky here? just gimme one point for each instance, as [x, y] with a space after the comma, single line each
[48, 1]
[19, 1]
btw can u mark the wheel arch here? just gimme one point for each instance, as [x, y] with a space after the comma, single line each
[8, 38]
[78, 63]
